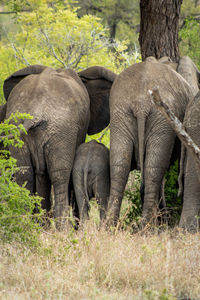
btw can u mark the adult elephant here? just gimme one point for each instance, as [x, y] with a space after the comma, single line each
[190, 72]
[189, 170]
[65, 106]
[140, 134]
[189, 175]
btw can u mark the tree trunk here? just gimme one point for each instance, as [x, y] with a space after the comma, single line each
[113, 26]
[159, 28]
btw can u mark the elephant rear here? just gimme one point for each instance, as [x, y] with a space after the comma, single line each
[91, 177]
[138, 130]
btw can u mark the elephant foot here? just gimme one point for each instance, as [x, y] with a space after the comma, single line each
[64, 224]
[154, 219]
[111, 220]
[190, 224]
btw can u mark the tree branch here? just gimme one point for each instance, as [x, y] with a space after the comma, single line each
[177, 126]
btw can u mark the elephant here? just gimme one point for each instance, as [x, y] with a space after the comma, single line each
[91, 177]
[65, 105]
[190, 72]
[188, 176]
[189, 173]
[140, 137]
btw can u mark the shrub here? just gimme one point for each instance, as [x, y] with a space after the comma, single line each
[189, 36]
[132, 212]
[17, 219]
[174, 203]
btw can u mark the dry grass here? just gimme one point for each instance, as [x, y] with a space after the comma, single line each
[96, 264]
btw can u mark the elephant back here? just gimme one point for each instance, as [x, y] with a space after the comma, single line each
[189, 72]
[192, 116]
[16, 77]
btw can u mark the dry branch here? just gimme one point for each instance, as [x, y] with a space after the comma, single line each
[176, 125]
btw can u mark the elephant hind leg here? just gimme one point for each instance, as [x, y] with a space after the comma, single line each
[43, 188]
[121, 153]
[59, 154]
[190, 215]
[81, 195]
[157, 160]
[101, 189]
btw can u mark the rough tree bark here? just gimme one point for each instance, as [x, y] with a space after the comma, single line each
[159, 28]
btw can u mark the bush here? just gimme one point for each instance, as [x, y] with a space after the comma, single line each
[17, 219]
[189, 36]
[174, 203]
[132, 212]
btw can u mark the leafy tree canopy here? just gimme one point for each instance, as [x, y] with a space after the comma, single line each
[122, 17]
[190, 40]
[53, 34]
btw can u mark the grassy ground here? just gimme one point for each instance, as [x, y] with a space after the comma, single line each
[96, 264]
[93, 264]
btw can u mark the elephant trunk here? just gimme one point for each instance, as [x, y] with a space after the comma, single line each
[141, 119]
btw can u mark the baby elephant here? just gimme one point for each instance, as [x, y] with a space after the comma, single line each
[91, 177]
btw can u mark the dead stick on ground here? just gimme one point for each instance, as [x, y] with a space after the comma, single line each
[177, 126]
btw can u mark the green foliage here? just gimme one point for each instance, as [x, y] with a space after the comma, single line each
[17, 219]
[57, 37]
[8, 66]
[153, 295]
[189, 8]
[190, 40]
[133, 210]
[103, 137]
[173, 202]
[9, 128]
[122, 17]
[51, 33]
[18, 5]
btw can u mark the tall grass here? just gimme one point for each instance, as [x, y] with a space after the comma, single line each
[97, 264]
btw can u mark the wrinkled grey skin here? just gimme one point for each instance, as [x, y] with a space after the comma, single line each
[91, 177]
[188, 176]
[139, 132]
[61, 105]
[191, 180]
[189, 71]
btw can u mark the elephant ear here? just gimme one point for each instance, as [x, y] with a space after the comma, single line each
[98, 82]
[16, 77]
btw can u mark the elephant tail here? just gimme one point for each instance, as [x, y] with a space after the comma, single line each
[85, 182]
[141, 119]
[85, 176]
